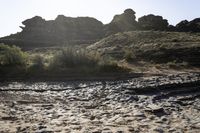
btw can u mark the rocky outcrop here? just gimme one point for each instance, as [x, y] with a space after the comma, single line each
[123, 22]
[38, 32]
[62, 30]
[152, 22]
[189, 26]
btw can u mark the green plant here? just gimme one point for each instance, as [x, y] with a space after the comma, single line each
[79, 61]
[37, 64]
[12, 56]
[110, 66]
[175, 65]
[38, 61]
[69, 58]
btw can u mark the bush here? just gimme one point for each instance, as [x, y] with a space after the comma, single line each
[12, 56]
[70, 58]
[38, 61]
[110, 66]
[177, 65]
[37, 64]
[79, 61]
[129, 55]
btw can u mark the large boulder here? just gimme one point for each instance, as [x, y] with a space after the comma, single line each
[152, 22]
[123, 22]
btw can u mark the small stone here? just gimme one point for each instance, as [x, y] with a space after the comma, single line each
[164, 119]
[156, 110]
[96, 131]
[120, 132]
[120, 120]
[159, 130]
[131, 129]
[92, 117]
[41, 127]
[139, 114]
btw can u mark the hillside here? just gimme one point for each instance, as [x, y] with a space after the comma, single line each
[152, 46]
[86, 45]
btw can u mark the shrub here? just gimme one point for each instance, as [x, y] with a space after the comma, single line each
[129, 55]
[38, 61]
[69, 58]
[176, 65]
[79, 61]
[12, 56]
[110, 66]
[37, 64]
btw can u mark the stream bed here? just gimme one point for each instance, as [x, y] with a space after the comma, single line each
[168, 103]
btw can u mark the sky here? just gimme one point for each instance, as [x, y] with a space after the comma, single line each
[13, 12]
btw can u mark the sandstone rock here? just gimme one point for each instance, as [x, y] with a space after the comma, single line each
[152, 22]
[63, 30]
[182, 26]
[123, 22]
[189, 26]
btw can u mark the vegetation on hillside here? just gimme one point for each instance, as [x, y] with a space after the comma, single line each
[151, 46]
[65, 62]
[118, 53]
[12, 56]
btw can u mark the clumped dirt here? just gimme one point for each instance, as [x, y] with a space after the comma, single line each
[148, 104]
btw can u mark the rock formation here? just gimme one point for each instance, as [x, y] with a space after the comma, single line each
[152, 22]
[62, 30]
[186, 26]
[37, 32]
[123, 22]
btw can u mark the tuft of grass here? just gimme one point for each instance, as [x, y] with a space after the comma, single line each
[110, 67]
[129, 55]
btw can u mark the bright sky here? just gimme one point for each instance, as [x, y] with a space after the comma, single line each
[13, 12]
